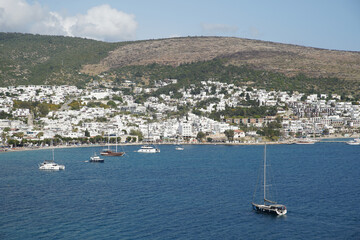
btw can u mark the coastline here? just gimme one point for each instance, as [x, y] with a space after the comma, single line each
[321, 139]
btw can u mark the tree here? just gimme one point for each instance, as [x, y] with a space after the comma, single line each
[87, 133]
[19, 134]
[303, 98]
[200, 136]
[43, 109]
[4, 115]
[75, 105]
[39, 135]
[112, 104]
[137, 133]
[229, 134]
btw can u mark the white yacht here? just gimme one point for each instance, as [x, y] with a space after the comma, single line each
[51, 165]
[148, 149]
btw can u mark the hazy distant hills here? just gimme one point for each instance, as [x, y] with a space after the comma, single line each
[36, 59]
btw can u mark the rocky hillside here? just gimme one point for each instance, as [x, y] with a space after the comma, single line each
[36, 59]
[283, 58]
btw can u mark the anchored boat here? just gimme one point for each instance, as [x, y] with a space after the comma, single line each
[268, 206]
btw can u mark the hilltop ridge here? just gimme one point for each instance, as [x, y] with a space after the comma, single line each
[283, 58]
[35, 59]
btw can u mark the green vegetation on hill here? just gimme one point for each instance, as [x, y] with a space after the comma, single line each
[27, 59]
[220, 70]
[35, 59]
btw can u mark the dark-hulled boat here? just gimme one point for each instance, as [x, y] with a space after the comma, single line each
[269, 206]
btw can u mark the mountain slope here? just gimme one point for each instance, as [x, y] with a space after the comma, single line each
[287, 59]
[35, 59]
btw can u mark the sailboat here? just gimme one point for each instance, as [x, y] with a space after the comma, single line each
[147, 148]
[268, 206]
[110, 153]
[51, 164]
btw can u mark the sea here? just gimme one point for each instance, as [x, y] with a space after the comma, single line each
[202, 192]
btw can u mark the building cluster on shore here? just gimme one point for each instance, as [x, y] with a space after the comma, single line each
[157, 118]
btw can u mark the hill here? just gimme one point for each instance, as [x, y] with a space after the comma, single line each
[284, 58]
[35, 59]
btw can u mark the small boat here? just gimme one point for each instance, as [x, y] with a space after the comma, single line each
[148, 149]
[96, 158]
[110, 153]
[179, 148]
[107, 152]
[269, 206]
[356, 141]
[305, 141]
[51, 165]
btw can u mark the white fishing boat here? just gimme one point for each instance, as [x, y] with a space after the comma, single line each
[148, 149]
[356, 141]
[268, 206]
[96, 158]
[51, 165]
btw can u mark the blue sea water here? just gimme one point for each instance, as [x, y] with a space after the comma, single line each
[203, 192]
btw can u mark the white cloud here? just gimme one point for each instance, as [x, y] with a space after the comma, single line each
[100, 22]
[104, 22]
[218, 28]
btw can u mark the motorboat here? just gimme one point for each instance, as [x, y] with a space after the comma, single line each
[96, 158]
[148, 149]
[356, 141]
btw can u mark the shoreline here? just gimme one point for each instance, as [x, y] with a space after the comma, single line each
[287, 142]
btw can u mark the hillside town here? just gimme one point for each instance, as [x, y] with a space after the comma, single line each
[82, 115]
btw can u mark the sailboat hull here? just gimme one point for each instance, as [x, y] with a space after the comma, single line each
[111, 153]
[278, 209]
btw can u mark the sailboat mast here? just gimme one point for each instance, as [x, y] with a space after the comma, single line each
[265, 174]
[52, 147]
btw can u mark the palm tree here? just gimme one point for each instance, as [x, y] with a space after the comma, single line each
[39, 135]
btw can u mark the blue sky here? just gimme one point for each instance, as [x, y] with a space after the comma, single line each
[325, 24]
